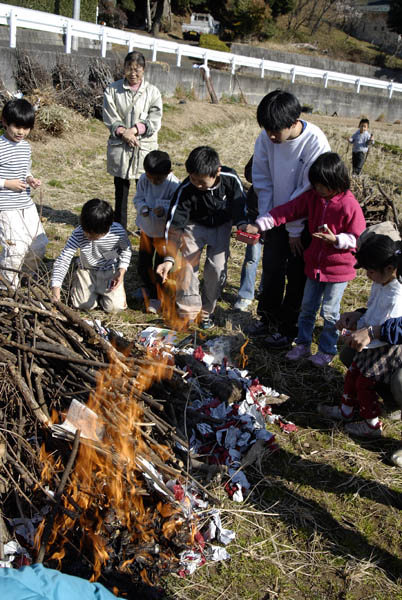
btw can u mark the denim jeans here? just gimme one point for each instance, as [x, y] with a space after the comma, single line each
[249, 271]
[328, 296]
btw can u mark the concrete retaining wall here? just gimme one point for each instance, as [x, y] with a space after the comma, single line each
[170, 78]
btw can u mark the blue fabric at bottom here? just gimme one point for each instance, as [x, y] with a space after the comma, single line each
[249, 271]
[38, 583]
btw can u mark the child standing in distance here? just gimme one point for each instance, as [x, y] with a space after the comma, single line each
[105, 255]
[361, 140]
[283, 154]
[155, 190]
[382, 259]
[22, 236]
[201, 214]
[335, 221]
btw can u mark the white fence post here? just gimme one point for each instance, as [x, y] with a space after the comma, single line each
[103, 42]
[233, 65]
[206, 59]
[13, 29]
[325, 80]
[390, 89]
[154, 50]
[68, 38]
[293, 72]
[178, 62]
[358, 83]
[130, 43]
[262, 68]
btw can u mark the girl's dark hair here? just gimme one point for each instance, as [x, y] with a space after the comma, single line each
[278, 110]
[379, 251]
[19, 112]
[157, 162]
[362, 121]
[329, 170]
[203, 160]
[96, 216]
[135, 57]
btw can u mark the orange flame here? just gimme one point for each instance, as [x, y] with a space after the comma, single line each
[244, 357]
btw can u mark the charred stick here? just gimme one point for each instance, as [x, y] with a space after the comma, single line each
[57, 497]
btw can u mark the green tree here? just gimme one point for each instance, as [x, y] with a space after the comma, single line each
[280, 7]
[395, 16]
[247, 17]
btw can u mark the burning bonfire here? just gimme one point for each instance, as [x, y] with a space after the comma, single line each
[103, 444]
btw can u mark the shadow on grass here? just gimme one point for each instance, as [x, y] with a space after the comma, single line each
[54, 215]
[308, 515]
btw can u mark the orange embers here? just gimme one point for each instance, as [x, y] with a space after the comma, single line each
[244, 357]
[106, 496]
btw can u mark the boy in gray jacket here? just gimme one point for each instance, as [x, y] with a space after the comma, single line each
[155, 190]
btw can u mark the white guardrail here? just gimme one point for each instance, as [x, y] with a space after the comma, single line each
[15, 16]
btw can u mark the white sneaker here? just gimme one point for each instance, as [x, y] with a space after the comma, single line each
[396, 458]
[333, 412]
[363, 429]
[154, 306]
[242, 304]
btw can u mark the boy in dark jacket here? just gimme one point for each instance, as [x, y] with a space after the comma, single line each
[201, 214]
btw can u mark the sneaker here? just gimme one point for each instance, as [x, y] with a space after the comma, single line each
[242, 304]
[333, 412]
[396, 458]
[206, 323]
[321, 359]
[298, 352]
[363, 429]
[257, 329]
[277, 340]
[154, 306]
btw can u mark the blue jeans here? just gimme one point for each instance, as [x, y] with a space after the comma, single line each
[328, 296]
[249, 271]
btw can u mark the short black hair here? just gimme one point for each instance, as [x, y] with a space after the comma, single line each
[135, 57]
[203, 160]
[19, 112]
[157, 162]
[379, 251]
[278, 110]
[363, 121]
[329, 170]
[96, 216]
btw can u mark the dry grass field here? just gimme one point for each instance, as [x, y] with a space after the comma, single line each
[323, 519]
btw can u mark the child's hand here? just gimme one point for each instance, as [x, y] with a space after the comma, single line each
[33, 183]
[55, 294]
[117, 280]
[16, 185]
[249, 228]
[163, 270]
[326, 235]
[159, 211]
[359, 339]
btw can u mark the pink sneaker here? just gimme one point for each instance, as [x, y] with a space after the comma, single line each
[363, 429]
[298, 352]
[321, 359]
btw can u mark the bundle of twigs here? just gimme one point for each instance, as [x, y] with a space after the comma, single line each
[379, 203]
[53, 355]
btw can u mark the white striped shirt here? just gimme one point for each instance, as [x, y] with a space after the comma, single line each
[112, 251]
[15, 163]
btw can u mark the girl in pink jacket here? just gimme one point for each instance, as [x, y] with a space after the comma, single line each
[335, 222]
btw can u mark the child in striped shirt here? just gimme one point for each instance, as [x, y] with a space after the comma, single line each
[105, 254]
[22, 237]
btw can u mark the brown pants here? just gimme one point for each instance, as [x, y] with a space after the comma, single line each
[90, 288]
